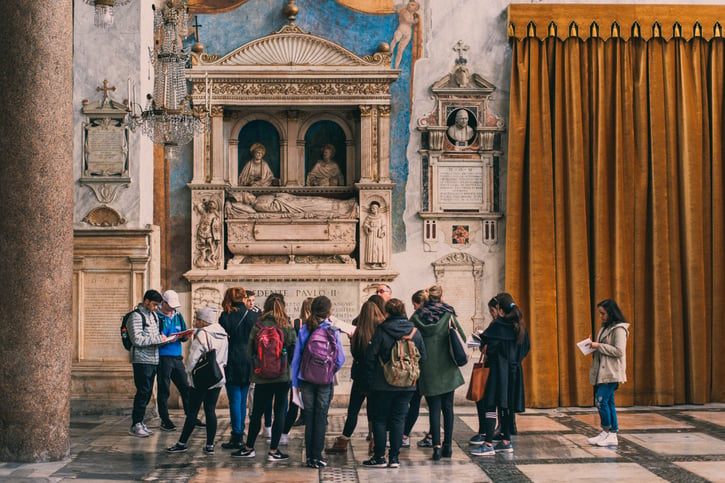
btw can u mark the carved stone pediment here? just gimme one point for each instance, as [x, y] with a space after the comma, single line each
[292, 46]
[475, 84]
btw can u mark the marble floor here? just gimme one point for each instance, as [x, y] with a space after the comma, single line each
[680, 443]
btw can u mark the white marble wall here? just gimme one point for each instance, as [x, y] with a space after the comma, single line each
[114, 54]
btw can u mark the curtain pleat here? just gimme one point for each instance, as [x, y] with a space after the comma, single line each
[615, 189]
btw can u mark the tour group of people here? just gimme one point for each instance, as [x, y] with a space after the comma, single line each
[290, 366]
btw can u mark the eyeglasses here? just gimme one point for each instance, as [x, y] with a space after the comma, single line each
[382, 290]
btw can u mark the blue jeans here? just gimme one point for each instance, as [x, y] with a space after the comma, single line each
[387, 411]
[237, 406]
[604, 400]
[143, 378]
[316, 400]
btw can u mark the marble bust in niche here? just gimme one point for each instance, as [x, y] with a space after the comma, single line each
[257, 171]
[460, 133]
[326, 171]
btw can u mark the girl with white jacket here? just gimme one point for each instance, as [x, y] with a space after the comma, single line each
[210, 335]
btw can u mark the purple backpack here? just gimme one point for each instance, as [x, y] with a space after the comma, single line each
[319, 357]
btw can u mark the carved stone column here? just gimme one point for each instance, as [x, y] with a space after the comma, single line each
[366, 144]
[217, 144]
[384, 144]
[36, 259]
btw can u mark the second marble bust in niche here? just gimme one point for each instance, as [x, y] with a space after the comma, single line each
[257, 172]
[326, 171]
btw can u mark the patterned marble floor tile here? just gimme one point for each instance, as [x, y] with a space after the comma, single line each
[549, 446]
[634, 421]
[256, 474]
[678, 443]
[435, 471]
[710, 470]
[588, 472]
[538, 423]
[715, 417]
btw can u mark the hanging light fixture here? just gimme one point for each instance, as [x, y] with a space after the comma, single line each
[168, 118]
[104, 11]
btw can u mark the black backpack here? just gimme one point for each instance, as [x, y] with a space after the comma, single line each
[125, 339]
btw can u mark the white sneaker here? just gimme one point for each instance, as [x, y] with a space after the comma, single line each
[139, 431]
[609, 440]
[268, 432]
[284, 440]
[597, 438]
[146, 428]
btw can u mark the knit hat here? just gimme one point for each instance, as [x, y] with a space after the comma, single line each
[207, 314]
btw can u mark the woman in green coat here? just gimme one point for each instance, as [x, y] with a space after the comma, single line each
[439, 375]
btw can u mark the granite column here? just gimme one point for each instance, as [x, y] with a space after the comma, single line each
[36, 229]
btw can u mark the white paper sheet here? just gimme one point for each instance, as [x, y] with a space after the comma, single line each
[585, 346]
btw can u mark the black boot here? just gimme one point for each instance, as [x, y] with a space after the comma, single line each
[235, 442]
[446, 451]
[436, 453]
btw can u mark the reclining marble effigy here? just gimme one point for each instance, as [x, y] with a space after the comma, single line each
[320, 229]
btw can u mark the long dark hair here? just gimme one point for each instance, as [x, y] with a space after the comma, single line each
[274, 306]
[319, 311]
[369, 318]
[614, 313]
[512, 314]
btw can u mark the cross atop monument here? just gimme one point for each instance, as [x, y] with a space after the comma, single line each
[105, 90]
[460, 48]
[196, 26]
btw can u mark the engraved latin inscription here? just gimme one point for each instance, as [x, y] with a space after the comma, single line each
[460, 186]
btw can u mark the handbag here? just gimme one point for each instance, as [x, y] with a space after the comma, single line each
[206, 372]
[479, 378]
[456, 346]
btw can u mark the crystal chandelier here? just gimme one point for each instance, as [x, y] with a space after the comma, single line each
[168, 118]
[104, 11]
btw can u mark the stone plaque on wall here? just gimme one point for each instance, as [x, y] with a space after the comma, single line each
[460, 186]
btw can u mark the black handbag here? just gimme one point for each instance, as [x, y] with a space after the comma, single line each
[206, 372]
[456, 345]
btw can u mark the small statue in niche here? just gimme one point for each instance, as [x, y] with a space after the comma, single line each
[375, 230]
[257, 172]
[326, 172]
[460, 133]
[407, 17]
[208, 233]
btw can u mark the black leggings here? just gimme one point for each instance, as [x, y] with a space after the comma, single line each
[437, 404]
[209, 397]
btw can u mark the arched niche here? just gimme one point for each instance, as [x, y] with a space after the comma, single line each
[271, 133]
[312, 137]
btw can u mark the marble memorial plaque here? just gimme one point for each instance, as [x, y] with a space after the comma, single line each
[460, 186]
[105, 301]
[105, 148]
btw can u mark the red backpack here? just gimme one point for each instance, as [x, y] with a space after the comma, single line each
[270, 358]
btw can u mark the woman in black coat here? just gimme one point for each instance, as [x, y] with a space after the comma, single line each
[237, 321]
[507, 345]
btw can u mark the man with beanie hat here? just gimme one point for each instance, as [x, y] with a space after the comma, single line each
[171, 367]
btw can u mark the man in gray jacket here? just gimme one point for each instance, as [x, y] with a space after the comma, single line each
[143, 332]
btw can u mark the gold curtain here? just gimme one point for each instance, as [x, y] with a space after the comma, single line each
[615, 189]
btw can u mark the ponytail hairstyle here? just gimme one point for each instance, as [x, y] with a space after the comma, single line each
[274, 306]
[420, 297]
[319, 311]
[614, 313]
[493, 304]
[233, 295]
[367, 321]
[512, 314]
[435, 293]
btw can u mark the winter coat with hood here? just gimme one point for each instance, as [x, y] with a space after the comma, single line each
[438, 373]
[238, 325]
[381, 344]
[212, 336]
[609, 360]
[505, 385]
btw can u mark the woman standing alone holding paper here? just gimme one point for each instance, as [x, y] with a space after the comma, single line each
[609, 369]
